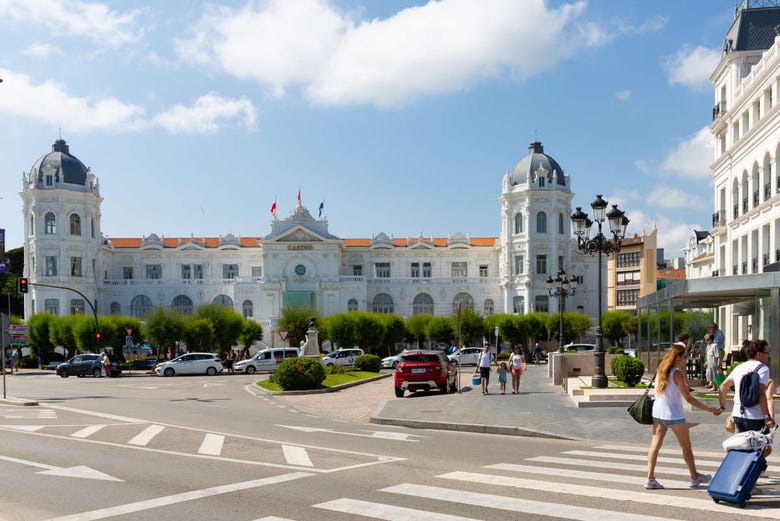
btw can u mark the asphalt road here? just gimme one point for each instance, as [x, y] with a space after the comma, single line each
[204, 448]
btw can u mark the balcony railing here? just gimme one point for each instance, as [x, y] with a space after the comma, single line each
[736, 211]
[437, 281]
[744, 268]
[767, 191]
[181, 282]
[765, 259]
[745, 205]
[715, 273]
[754, 265]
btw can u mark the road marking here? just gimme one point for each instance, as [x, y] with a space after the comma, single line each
[398, 436]
[567, 462]
[514, 505]
[650, 498]
[98, 414]
[581, 474]
[273, 518]
[183, 497]
[79, 471]
[88, 431]
[146, 435]
[212, 444]
[640, 457]
[774, 469]
[15, 412]
[296, 456]
[386, 512]
[212, 385]
[26, 428]
[385, 435]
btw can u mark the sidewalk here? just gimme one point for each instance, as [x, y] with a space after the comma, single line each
[540, 410]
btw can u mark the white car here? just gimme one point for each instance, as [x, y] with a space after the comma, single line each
[191, 363]
[465, 356]
[341, 357]
[579, 348]
[265, 360]
[389, 362]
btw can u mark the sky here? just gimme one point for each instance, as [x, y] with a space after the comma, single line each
[402, 116]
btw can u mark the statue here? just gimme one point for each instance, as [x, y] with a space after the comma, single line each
[312, 324]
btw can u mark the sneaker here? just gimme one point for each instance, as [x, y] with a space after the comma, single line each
[701, 479]
[652, 484]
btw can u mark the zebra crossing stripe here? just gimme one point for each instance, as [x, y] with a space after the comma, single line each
[515, 505]
[386, 512]
[296, 456]
[656, 498]
[773, 469]
[581, 474]
[87, 431]
[640, 457]
[212, 444]
[273, 518]
[146, 435]
[568, 462]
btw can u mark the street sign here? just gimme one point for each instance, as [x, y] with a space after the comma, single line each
[283, 334]
[19, 329]
[129, 339]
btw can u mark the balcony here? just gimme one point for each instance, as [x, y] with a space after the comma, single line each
[716, 273]
[736, 211]
[755, 199]
[438, 281]
[765, 259]
[754, 265]
[744, 268]
[767, 191]
[718, 110]
[745, 205]
[718, 218]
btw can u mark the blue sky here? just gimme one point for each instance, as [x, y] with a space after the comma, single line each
[403, 115]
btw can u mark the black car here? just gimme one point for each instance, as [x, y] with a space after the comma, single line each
[87, 364]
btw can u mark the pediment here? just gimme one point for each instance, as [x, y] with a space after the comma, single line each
[299, 235]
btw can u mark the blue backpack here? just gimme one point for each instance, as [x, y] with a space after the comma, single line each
[748, 390]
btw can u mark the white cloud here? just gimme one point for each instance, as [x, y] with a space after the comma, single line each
[386, 62]
[623, 95]
[207, 114]
[691, 67]
[72, 17]
[50, 103]
[674, 198]
[692, 157]
[41, 50]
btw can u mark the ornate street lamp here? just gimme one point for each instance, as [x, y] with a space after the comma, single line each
[599, 244]
[561, 287]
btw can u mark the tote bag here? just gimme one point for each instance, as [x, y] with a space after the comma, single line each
[642, 409]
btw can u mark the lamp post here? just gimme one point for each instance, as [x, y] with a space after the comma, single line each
[599, 244]
[561, 287]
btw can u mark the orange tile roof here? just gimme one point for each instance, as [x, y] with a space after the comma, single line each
[670, 274]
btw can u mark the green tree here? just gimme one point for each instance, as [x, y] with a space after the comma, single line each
[472, 327]
[535, 325]
[370, 331]
[252, 332]
[510, 328]
[695, 323]
[440, 329]
[62, 334]
[41, 325]
[164, 328]
[296, 321]
[395, 331]
[612, 326]
[417, 325]
[226, 323]
[197, 333]
[84, 331]
[342, 329]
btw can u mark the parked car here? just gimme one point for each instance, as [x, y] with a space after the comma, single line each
[580, 348]
[342, 357]
[465, 356]
[266, 360]
[191, 363]
[422, 371]
[389, 362]
[87, 364]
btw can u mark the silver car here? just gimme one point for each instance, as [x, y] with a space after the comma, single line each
[465, 356]
[191, 363]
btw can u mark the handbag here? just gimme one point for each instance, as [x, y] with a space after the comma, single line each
[642, 409]
[730, 426]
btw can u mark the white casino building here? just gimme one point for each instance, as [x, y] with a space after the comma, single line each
[300, 262]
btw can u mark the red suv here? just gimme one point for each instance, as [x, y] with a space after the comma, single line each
[421, 370]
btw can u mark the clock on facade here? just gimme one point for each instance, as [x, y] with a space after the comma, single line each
[300, 270]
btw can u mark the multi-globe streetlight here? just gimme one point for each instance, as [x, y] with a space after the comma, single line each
[561, 287]
[599, 244]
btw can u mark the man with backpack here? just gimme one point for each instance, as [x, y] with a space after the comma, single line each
[750, 380]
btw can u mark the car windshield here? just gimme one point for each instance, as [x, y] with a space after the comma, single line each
[421, 358]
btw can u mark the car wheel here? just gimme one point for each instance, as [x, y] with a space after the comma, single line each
[96, 372]
[63, 374]
[211, 371]
[250, 369]
[399, 393]
[169, 372]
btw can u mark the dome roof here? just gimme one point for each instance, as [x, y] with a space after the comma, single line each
[59, 162]
[536, 160]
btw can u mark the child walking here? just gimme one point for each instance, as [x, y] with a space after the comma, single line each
[501, 370]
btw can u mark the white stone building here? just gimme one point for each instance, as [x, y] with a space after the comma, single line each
[299, 262]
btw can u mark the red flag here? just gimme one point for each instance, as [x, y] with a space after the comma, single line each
[273, 208]
[299, 196]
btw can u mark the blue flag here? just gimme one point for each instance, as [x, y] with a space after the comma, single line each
[322, 207]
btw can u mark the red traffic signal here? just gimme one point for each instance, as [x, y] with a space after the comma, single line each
[21, 285]
[97, 335]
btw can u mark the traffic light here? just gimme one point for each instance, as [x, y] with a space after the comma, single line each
[21, 285]
[97, 336]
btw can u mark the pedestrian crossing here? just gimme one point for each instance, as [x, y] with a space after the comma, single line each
[16, 412]
[602, 483]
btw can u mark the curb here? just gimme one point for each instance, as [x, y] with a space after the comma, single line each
[321, 391]
[16, 401]
[467, 427]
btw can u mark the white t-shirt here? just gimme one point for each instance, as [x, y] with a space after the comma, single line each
[668, 404]
[516, 360]
[751, 413]
[485, 359]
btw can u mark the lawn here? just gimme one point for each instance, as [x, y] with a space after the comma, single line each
[331, 380]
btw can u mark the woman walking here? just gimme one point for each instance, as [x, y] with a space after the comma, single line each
[670, 389]
[516, 365]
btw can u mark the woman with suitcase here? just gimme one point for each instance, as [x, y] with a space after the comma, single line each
[670, 390]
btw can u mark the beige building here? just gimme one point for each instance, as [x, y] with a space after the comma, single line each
[631, 273]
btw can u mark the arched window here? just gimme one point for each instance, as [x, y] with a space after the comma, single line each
[383, 303]
[224, 301]
[352, 305]
[51, 306]
[541, 222]
[518, 305]
[32, 225]
[518, 223]
[75, 224]
[561, 228]
[92, 227]
[51, 223]
[140, 306]
[248, 309]
[182, 304]
[488, 307]
[116, 308]
[465, 301]
[422, 304]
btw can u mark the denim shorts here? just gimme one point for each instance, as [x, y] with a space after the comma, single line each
[669, 423]
[748, 424]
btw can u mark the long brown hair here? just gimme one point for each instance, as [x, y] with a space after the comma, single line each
[665, 367]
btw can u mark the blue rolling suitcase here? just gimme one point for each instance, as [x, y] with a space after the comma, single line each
[736, 476]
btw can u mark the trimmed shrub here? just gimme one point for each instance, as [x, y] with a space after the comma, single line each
[336, 369]
[627, 369]
[29, 362]
[615, 350]
[299, 373]
[368, 362]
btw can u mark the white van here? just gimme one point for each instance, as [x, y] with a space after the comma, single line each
[266, 360]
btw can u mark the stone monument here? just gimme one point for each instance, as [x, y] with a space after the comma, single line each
[310, 347]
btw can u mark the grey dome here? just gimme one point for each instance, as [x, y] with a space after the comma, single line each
[530, 165]
[59, 162]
